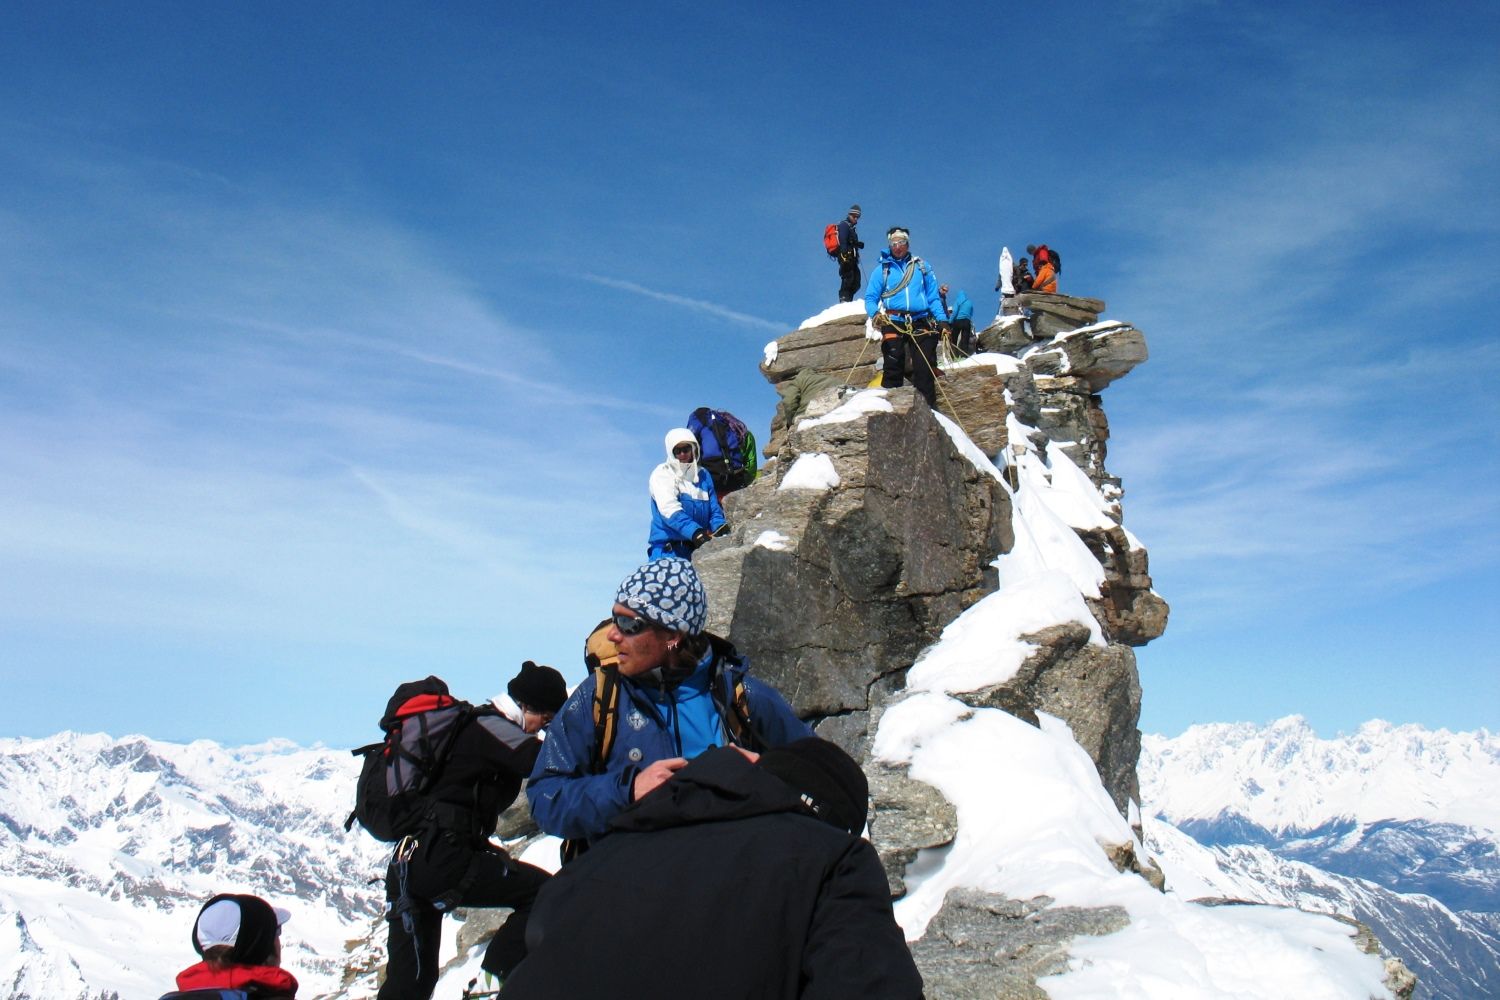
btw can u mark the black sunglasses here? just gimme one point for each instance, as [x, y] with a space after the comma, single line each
[683, 448]
[630, 626]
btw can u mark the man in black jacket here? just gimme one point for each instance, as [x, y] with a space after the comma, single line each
[450, 861]
[848, 255]
[733, 879]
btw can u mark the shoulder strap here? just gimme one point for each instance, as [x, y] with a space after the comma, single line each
[905, 277]
[606, 725]
[737, 719]
[606, 715]
[736, 713]
[720, 427]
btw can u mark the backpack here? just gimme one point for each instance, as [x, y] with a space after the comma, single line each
[831, 239]
[726, 448]
[1053, 256]
[421, 723]
[602, 660]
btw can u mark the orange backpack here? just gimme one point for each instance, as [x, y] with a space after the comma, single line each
[831, 239]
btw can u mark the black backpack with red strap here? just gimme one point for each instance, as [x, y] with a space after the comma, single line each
[421, 722]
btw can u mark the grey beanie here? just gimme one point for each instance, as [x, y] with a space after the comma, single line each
[856, 208]
[666, 592]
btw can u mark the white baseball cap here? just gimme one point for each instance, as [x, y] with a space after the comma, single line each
[220, 921]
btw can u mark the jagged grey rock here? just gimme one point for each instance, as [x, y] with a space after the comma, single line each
[974, 398]
[908, 816]
[835, 593]
[1006, 335]
[516, 822]
[835, 348]
[1100, 354]
[983, 945]
[1053, 314]
[840, 355]
[1095, 689]
[831, 590]
[1126, 858]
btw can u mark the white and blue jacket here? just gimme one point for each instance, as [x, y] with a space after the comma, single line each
[682, 501]
[569, 800]
[920, 296]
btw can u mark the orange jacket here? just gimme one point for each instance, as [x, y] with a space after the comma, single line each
[1046, 278]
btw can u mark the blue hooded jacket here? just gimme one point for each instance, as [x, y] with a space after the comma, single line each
[920, 296]
[569, 801]
[962, 307]
[683, 500]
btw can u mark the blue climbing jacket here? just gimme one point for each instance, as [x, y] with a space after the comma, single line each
[920, 296]
[569, 801]
[962, 307]
[682, 500]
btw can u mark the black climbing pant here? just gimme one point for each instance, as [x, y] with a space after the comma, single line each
[435, 872]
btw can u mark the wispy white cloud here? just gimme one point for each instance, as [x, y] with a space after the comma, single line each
[292, 427]
[699, 305]
[1289, 499]
[1250, 244]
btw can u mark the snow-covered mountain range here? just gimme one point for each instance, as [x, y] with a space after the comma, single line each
[108, 847]
[1398, 826]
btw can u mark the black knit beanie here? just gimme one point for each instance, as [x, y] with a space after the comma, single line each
[540, 688]
[831, 784]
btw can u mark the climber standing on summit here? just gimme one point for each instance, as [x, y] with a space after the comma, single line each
[848, 255]
[904, 305]
[961, 315]
[685, 509]
[1046, 269]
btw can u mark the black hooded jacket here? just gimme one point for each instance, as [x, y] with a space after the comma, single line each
[721, 884]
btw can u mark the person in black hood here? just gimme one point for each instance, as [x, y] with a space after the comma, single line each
[739, 877]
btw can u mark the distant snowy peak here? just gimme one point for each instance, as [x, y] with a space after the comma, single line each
[108, 847]
[1284, 777]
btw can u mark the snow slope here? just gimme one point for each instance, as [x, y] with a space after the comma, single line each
[1035, 826]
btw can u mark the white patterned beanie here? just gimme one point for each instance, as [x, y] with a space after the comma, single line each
[666, 592]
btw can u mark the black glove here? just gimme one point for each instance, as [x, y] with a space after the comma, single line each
[944, 326]
[859, 246]
[723, 530]
[699, 537]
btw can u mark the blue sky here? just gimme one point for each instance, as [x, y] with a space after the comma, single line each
[337, 340]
